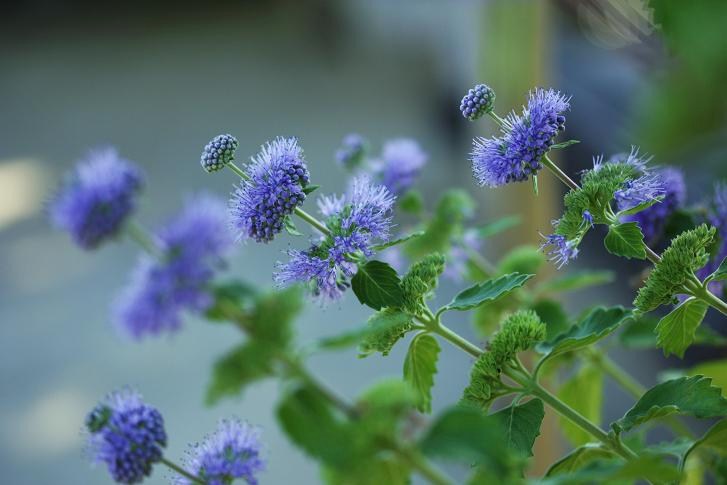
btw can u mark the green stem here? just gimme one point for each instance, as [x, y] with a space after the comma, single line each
[141, 236]
[559, 173]
[298, 211]
[457, 340]
[422, 465]
[182, 471]
[483, 264]
[500, 122]
[572, 415]
[711, 299]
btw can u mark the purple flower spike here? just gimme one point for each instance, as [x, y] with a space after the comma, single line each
[127, 435]
[526, 138]
[231, 452]
[561, 249]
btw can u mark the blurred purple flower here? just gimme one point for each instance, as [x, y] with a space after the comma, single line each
[653, 219]
[97, 198]
[352, 151]
[193, 246]
[400, 164]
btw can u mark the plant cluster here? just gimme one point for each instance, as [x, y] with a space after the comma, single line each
[535, 357]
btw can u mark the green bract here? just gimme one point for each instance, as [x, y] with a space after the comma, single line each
[687, 252]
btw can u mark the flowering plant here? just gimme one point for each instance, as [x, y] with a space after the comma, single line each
[535, 356]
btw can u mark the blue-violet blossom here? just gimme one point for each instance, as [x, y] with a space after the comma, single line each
[273, 188]
[127, 435]
[477, 102]
[653, 219]
[399, 165]
[352, 151]
[218, 152]
[356, 221]
[561, 249]
[163, 287]
[97, 198]
[232, 451]
[526, 138]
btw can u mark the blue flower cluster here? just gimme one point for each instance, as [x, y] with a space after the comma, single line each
[643, 189]
[526, 138]
[477, 102]
[232, 452]
[127, 435]
[97, 198]
[272, 190]
[653, 219]
[218, 152]
[561, 249]
[352, 151]
[400, 163]
[356, 221]
[192, 247]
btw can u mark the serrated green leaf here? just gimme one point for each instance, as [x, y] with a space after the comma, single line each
[420, 367]
[551, 312]
[638, 208]
[378, 328]
[270, 319]
[716, 369]
[686, 395]
[498, 226]
[579, 458]
[396, 242]
[625, 240]
[564, 144]
[597, 324]
[639, 334]
[385, 329]
[377, 285]
[309, 423]
[486, 291]
[715, 439]
[521, 424]
[243, 365]
[720, 273]
[576, 281]
[376, 471]
[289, 226]
[584, 393]
[676, 331]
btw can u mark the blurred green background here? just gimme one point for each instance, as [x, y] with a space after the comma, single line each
[158, 79]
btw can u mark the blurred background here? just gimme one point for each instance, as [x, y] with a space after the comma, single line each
[159, 79]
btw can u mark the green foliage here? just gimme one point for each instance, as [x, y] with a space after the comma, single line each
[451, 211]
[625, 240]
[617, 472]
[677, 330]
[290, 226]
[487, 291]
[498, 226]
[411, 202]
[584, 393]
[464, 434]
[551, 312]
[597, 324]
[640, 333]
[687, 253]
[311, 424]
[520, 331]
[576, 281]
[521, 425]
[720, 273]
[420, 367]
[396, 242]
[241, 366]
[377, 285]
[385, 328]
[579, 458]
[686, 395]
[524, 259]
[420, 282]
[714, 440]
[382, 407]
[229, 300]
[716, 369]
